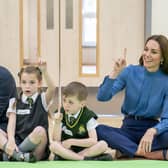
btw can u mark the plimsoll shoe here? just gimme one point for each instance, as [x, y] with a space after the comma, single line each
[25, 157]
[28, 157]
[5, 157]
[102, 157]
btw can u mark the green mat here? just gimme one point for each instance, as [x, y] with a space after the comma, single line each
[88, 164]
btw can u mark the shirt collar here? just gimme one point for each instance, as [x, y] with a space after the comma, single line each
[74, 115]
[34, 97]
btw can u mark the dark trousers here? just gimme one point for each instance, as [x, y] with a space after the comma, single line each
[127, 138]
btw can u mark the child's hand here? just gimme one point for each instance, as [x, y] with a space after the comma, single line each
[58, 117]
[10, 147]
[42, 65]
[36, 62]
[67, 143]
[51, 156]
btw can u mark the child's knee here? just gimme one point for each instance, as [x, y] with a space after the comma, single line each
[103, 145]
[39, 132]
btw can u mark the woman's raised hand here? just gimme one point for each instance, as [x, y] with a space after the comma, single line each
[118, 65]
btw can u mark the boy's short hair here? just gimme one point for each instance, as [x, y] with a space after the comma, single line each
[76, 89]
[31, 70]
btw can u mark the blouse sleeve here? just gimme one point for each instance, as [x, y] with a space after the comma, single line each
[162, 126]
[110, 87]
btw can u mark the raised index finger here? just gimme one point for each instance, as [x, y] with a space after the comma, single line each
[125, 53]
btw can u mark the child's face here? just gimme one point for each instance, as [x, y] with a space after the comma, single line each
[71, 104]
[29, 83]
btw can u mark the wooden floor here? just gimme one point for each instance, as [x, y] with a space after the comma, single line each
[112, 121]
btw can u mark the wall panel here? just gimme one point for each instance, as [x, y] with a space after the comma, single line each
[120, 27]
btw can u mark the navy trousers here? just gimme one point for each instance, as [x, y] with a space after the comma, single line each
[127, 138]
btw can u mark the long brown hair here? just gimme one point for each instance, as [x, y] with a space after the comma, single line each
[163, 43]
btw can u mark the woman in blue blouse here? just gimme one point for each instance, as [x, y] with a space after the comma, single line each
[144, 131]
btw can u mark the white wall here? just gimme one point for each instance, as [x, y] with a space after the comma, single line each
[9, 35]
[159, 17]
[121, 25]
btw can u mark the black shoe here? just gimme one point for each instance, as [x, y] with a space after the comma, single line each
[120, 155]
[102, 157]
[56, 157]
[1, 155]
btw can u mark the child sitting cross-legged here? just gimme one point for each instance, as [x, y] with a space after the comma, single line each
[31, 110]
[74, 134]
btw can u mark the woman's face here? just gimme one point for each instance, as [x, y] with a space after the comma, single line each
[152, 56]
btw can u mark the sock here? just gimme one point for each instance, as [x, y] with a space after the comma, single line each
[4, 147]
[27, 145]
[17, 155]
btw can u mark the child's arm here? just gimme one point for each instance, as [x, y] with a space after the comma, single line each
[11, 114]
[54, 131]
[51, 88]
[11, 134]
[50, 128]
[57, 131]
[87, 142]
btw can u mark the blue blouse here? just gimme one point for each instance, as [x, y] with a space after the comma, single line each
[146, 93]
